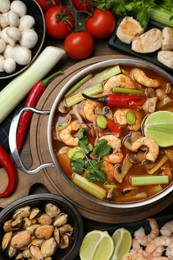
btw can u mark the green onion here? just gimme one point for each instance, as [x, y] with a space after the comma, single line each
[111, 72]
[129, 91]
[70, 101]
[78, 85]
[130, 117]
[89, 187]
[149, 180]
[101, 121]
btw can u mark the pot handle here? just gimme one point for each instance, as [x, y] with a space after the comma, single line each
[13, 145]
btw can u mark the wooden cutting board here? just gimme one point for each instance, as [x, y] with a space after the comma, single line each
[55, 182]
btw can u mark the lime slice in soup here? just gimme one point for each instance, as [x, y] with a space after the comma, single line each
[159, 126]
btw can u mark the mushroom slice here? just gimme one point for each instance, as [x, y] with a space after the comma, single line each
[120, 171]
[131, 138]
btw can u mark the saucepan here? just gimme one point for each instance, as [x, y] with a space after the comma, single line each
[115, 193]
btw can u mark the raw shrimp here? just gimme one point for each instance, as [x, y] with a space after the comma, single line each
[141, 78]
[153, 148]
[66, 134]
[108, 169]
[89, 109]
[120, 118]
[115, 143]
[120, 80]
[165, 241]
[144, 239]
[167, 228]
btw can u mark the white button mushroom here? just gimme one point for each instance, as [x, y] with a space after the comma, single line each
[14, 33]
[2, 45]
[6, 38]
[8, 52]
[4, 6]
[22, 55]
[9, 65]
[4, 20]
[18, 7]
[26, 22]
[13, 18]
[29, 38]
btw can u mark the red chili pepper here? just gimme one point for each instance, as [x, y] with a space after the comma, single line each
[115, 100]
[8, 165]
[32, 99]
[113, 127]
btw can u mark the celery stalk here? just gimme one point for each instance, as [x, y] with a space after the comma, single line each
[72, 100]
[89, 187]
[161, 15]
[149, 180]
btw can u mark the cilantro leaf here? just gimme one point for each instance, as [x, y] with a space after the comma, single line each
[83, 141]
[102, 148]
[94, 172]
[77, 165]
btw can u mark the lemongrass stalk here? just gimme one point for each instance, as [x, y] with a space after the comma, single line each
[161, 15]
[154, 189]
[72, 100]
[19, 87]
[128, 197]
[111, 72]
[78, 85]
[89, 187]
[129, 91]
[149, 180]
[158, 165]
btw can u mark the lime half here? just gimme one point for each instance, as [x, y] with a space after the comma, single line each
[96, 245]
[159, 126]
[122, 243]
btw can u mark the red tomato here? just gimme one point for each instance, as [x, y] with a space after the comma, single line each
[82, 5]
[59, 22]
[46, 4]
[101, 24]
[79, 45]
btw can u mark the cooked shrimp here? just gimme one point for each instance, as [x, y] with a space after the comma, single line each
[153, 148]
[144, 239]
[66, 134]
[165, 241]
[169, 253]
[167, 228]
[120, 118]
[134, 255]
[121, 81]
[142, 78]
[115, 143]
[89, 109]
[108, 169]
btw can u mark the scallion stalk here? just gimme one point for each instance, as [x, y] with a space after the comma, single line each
[149, 180]
[78, 85]
[89, 187]
[129, 91]
[71, 101]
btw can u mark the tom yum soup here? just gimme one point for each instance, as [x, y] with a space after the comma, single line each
[113, 134]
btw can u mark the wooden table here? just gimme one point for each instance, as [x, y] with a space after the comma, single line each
[101, 48]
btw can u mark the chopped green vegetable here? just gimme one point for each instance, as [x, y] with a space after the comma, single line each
[90, 187]
[91, 91]
[102, 148]
[94, 173]
[130, 117]
[111, 72]
[129, 91]
[75, 153]
[101, 121]
[83, 141]
[78, 85]
[149, 180]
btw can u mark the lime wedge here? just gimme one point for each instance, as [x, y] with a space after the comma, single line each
[122, 243]
[159, 126]
[96, 245]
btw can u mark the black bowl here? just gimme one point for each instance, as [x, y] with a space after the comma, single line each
[35, 10]
[39, 200]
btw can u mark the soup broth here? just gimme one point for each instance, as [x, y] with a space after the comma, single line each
[99, 138]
